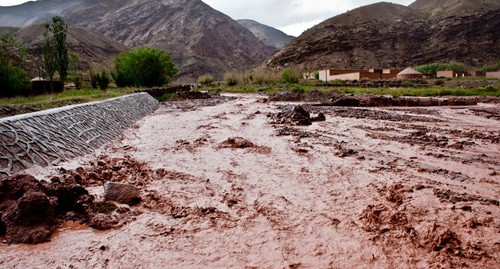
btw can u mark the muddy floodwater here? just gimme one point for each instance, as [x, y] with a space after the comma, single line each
[225, 185]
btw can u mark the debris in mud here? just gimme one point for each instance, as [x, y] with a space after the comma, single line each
[242, 143]
[375, 114]
[296, 115]
[121, 193]
[370, 100]
[343, 151]
[31, 208]
[454, 197]
[237, 143]
[312, 96]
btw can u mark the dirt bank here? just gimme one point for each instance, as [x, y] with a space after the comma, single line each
[225, 185]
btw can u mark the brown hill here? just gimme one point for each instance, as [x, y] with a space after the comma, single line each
[445, 8]
[200, 39]
[94, 50]
[389, 35]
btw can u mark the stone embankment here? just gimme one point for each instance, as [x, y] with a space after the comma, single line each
[50, 136]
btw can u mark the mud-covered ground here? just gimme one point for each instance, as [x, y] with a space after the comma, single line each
[224, 184]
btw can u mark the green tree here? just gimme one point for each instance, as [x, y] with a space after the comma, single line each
[433, 68]
[144, 67]
[55, 51]
[74, 75]
[13, 79]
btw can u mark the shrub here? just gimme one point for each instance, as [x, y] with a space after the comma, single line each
[433, 68]
[492, 68]
[100, 79]
[290, 75]
[298, 89]
[144, 67]
[230, 79]
[205, 80]
[439, 82]
[13, 81]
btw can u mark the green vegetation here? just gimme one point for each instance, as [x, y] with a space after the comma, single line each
[55, 52]
[13, 79]
[230, 79]
[433, 68]
[205, 80]
[290, 76]
[492, 68]
[100, 80]
[68, 97]
[144, 67]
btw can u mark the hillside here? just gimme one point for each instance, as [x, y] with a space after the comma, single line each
[200, 39]
[94, 50]
[390, 35]
[445, 8]
[269, 35]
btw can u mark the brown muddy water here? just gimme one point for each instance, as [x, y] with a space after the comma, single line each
[225, 186]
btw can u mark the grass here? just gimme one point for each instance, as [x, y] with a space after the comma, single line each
[430, 91]
[85, 95]
[401, 91]
[20, 105]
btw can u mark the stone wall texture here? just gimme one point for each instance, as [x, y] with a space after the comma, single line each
[50, 136]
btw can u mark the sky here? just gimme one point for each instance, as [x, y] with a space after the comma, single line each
[290, 16]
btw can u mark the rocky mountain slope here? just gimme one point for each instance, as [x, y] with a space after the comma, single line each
[271, 36]
[94, 50]
[200, 39]
[390, 35]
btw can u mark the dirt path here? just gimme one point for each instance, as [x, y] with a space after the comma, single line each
[367, 188]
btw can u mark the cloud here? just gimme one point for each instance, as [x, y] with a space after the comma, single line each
[291, 16]
[11, 2]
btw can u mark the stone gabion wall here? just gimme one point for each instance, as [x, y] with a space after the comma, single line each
[54, 135]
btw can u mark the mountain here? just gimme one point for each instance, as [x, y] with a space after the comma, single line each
[34, 12]
[94, 50]
[200, 39]
[390, 35]
[446, 8]
[269, 35]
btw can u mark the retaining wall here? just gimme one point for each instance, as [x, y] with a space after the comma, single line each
[59, 134]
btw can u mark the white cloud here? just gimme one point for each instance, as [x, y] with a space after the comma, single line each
[11, 2]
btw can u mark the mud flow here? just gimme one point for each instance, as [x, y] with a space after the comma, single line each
[247, 181]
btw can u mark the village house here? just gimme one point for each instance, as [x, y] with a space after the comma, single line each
[493, 74]
[451, 74]
[359, 74]
[410, 74]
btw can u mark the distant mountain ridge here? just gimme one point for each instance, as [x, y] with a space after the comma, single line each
[389, 35]
[271, 36]
[200, 39]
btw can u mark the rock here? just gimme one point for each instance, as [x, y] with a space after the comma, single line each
[70, 197]
[320, 117]
[15, 187]
[31, 220]
[295, 115]
[122, 193]
[237, 142]
[103, 221]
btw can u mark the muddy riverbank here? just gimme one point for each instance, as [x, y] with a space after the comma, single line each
[223, 184]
